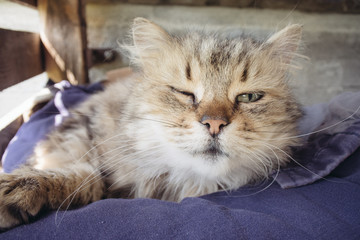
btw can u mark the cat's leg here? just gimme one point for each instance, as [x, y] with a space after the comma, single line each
[64, 172]
[27, 191]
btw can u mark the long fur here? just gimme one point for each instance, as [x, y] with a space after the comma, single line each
[152, 138]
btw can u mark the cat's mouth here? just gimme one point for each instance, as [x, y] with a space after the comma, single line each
[212, 151]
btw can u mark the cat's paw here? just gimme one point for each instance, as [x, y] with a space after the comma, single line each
[21, 197]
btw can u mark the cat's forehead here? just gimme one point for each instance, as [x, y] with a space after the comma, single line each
[216, 61]
[217, 50]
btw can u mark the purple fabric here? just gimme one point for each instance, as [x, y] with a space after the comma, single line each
[22, 145]
[329, 208]
[336, 135]
[323, 210]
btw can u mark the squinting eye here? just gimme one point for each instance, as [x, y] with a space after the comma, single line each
[249, 97]
[188, 94]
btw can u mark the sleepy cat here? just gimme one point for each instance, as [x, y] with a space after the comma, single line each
[204, 113]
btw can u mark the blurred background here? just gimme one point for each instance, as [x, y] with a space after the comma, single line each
[78, 40]
[331, 37]
[331, 33]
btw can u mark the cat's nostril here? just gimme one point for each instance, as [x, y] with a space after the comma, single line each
[214, 125]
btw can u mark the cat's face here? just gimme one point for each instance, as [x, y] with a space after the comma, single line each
[222, 105]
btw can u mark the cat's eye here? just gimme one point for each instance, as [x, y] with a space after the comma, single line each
[249, 97]
[188, 94]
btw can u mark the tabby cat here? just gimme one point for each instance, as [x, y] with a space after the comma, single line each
[205, 112]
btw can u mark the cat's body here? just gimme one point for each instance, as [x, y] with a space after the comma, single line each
[205, 113]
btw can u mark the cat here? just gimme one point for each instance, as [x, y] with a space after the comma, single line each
[205, 112]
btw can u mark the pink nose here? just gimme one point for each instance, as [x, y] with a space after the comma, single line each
[214, 125]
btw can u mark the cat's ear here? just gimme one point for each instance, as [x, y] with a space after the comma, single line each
[284, 44]
[149, 38]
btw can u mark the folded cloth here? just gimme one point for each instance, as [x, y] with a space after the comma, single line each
[331, 133]
[43, 121]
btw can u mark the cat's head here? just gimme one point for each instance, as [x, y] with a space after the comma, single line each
[221, 104]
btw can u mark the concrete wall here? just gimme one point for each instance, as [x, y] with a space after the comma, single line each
[331, 41]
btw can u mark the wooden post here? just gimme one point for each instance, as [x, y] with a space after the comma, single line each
[29, 3]
[63, 33]
[20, 57]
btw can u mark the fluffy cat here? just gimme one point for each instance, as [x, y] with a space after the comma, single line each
[204, 113]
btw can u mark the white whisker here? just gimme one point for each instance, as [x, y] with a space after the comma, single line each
[298, 163]
[322, 129]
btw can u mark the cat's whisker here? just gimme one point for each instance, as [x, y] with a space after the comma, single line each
[223, 188]
[350, 117]
[297, 162]
[274, 178]
[110, 151]
[164, 122]
[131, 116]
[73, 195]
[262, 154]
[125, 148]
[128, 156]
[87, 180]
[97, 145]
[263, 167]
[267, 186]
[104, 116]
[112, 161]
[109, 163]
[289, 14]
[144, 165]
[277, 171]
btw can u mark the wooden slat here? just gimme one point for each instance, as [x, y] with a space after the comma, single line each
[338, 6]
[54, 72]
[30, 3]
[20, 57]
[64, 36]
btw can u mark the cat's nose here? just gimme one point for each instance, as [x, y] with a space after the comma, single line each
[214, 125]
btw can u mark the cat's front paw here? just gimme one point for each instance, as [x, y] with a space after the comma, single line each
[21, 197]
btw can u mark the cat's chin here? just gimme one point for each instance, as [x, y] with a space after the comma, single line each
[212, 153]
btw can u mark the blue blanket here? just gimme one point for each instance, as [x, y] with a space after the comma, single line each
[316, 197]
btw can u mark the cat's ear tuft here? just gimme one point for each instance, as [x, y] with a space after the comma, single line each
[148, 36]
[285, 43]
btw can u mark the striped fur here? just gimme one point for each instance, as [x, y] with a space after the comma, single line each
[152, 138]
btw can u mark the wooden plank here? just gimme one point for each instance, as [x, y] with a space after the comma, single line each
[63, 34]
[20, 57]
[338, 6]
[29, 3]
[54, 72]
